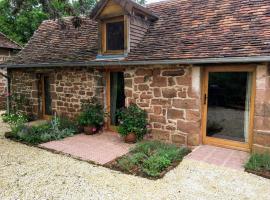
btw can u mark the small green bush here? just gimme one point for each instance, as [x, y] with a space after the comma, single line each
[258, 162]
[152, 157]
[126, 164]
[132, 120]
[14, 118]
[155, 164]
[92, 114]
[54, 130]
[65, 123]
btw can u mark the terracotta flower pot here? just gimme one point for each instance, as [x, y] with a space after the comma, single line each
[130, 138]
[90, 130]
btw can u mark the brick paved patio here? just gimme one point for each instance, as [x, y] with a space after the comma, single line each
[220, 156]
[100, 148]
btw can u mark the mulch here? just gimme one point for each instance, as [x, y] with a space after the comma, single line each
[262, 173]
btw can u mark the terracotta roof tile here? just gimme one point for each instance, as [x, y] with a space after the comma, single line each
[207, 29]
[51, 43]
[5, 42]
[185, 30]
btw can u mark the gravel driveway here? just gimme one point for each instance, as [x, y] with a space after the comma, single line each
[32, 173]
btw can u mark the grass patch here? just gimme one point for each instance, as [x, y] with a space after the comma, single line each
[259, 164]
[150, 159]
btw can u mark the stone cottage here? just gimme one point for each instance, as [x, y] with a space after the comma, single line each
[7, 48]
[199, 68]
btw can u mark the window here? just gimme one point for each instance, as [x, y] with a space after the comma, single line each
[115, 36]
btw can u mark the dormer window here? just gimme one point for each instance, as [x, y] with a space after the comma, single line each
[113, 36]
[121, 26]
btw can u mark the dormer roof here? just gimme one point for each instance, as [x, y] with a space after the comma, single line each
[128, 7]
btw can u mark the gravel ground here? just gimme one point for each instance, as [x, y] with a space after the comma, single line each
[32, 173]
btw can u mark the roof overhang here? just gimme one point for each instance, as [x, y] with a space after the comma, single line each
[127, 5]
[255, 59]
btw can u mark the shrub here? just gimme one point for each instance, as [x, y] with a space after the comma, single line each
[92, 114]
[155, 164]
[53, 130]
[14, 118]
[65, 123]
[258, 162]
[16, 121]
[132, 120]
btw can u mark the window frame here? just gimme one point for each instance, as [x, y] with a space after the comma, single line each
[104, 23]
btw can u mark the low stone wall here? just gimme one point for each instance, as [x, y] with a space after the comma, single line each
[3, 90]
[261, 139]
[166, 94]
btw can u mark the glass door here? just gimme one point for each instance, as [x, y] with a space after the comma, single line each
[227, 101]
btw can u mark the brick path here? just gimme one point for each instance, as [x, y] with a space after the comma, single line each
[99, 148]
[220, 156]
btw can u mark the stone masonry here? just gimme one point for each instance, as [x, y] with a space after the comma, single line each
[261, 139]
[73, 87]
[166, 94]
[3, 90]
[70, 87]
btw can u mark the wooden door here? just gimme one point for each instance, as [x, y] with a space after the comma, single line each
[46, 100]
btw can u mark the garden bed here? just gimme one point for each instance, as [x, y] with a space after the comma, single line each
[259, 164]
[56, 129]
[149, 159]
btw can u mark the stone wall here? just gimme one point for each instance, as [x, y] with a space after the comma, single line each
[69, 88]
[167, 94]
[261, 139]
[24, 84]
[73, 87]
[170, 95]
[3, 90]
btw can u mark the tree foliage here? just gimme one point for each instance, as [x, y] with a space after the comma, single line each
[20, 18]
[22, 25]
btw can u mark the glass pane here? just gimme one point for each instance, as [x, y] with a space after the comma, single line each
[115, 35]
[228, 105]
[117, 95]
[47, 93]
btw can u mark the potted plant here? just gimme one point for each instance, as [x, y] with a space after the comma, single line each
[132, 123]
[91, 117]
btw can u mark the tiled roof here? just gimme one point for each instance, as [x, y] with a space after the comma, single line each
[52, 43]
[207, 29]
[5, 42]
[185, 30]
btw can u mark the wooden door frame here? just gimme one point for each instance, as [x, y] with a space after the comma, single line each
[223, 142]
[43, 98]
[108, 96]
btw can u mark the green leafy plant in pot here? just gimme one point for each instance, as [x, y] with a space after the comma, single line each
[92, 116]
[132, 123]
